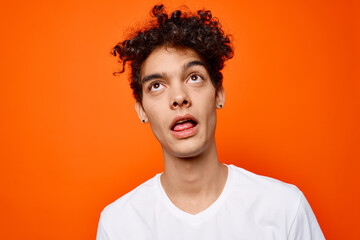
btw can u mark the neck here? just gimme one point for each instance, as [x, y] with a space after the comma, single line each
[199, 178]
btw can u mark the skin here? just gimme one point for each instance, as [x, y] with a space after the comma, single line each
[176, 82]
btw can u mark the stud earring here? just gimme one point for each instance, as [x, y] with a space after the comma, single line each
[143, 121]
[221, 106]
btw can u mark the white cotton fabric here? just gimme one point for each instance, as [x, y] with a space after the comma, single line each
[250, 207]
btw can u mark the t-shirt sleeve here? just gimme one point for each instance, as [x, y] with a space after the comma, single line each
[305, 225]
[101, 233]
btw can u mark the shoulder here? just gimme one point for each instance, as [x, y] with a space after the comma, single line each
[266, 191]
[136, 200]
[259, 184]
[267, 200]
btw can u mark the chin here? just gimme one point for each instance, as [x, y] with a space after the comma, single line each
[187, 155]
[188, 150]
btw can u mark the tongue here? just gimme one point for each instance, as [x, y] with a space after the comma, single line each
[184, 126]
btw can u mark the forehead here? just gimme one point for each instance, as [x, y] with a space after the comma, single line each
[166, 59]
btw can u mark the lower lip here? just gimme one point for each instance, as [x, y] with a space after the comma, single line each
[186, 133]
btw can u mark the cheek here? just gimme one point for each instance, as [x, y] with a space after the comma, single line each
[154, 111]
[156, 115]
[209, 103]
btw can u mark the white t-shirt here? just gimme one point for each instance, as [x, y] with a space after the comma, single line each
[249, 207]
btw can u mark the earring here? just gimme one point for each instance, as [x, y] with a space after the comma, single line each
[220, 106]
[143, 121]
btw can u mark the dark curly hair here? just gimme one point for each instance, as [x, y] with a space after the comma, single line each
[200, 32]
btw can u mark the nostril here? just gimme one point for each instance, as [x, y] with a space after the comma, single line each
[175, 104]
[185, 102]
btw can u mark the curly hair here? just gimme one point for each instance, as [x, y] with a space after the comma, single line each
[200, 32]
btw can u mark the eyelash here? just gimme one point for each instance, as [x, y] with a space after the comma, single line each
[191, 75]
[152, 84]
[195, 74]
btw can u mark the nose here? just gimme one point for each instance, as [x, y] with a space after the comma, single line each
[179, 99]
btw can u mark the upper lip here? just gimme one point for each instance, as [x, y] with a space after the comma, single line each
[182, 118]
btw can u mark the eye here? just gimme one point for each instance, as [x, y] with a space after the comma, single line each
[155, 86]
[194, 78]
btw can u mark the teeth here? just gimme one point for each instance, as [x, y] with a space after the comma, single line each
[182, 121]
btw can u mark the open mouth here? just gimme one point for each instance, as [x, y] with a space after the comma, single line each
[184, 124]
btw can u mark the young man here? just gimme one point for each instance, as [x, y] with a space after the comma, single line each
[177, 84]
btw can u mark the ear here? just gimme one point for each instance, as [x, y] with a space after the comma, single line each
[141, 112]
[220, 97]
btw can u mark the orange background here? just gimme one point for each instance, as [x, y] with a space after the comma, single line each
[71, 142]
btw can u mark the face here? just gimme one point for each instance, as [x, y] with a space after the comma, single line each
[179, 101]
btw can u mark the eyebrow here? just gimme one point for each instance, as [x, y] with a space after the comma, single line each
[151, 77]
[194, 63]
[186, 66]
